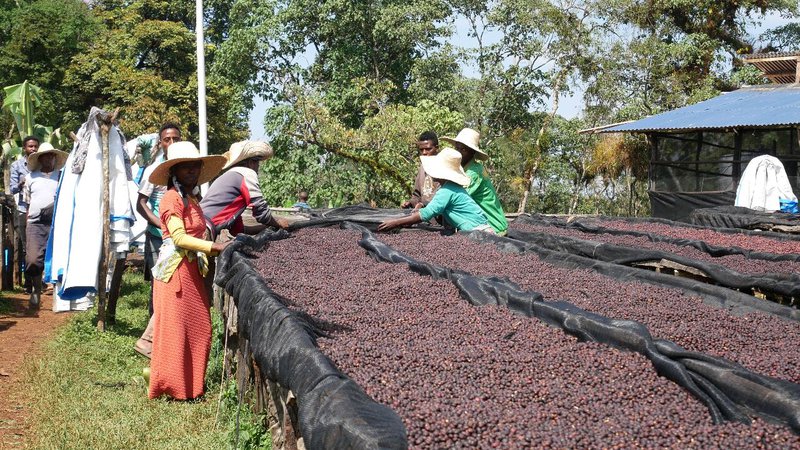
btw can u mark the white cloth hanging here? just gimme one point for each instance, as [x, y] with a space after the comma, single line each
[75, 244]
[764, 183]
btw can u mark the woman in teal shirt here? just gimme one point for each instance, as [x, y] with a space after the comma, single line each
[451, 200]
[480, 187]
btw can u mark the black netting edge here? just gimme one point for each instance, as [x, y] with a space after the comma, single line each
[673, 223]
[365, 216]
[703, 246]
[730, 216]
[729, 391]
[333, 411]
[717, 296]
[785, 284]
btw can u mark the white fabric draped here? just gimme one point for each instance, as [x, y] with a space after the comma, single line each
[74, 248]
[764, 183]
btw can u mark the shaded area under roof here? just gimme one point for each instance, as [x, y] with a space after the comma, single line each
[779, 67]
[750, 107]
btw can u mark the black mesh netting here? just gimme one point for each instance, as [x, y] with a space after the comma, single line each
[363, 215]
[739, 217]
[333, 412]
[784, 284]
[595, 226]
[730, 391]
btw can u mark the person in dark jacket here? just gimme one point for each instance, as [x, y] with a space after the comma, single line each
[424, 186]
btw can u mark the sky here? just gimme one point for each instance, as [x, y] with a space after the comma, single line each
[569, 105]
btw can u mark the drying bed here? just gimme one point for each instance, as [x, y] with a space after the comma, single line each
[461, 376]
[728, 238]
[761, 342]
[736, 262]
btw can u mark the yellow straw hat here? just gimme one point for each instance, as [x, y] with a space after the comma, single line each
[44, 149]
[446, 165]
[243, 150]
[184, 152]
[470, 138]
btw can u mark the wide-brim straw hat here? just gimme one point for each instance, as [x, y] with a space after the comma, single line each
[471, 139]
[44, 149]
[244, 150]
[446, 165]
[185, 151]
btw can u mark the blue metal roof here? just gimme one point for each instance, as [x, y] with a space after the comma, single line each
[756, 106]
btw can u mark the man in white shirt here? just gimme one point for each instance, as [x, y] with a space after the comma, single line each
[40, 194]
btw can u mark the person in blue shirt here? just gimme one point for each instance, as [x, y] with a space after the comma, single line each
[451, 201]
[19, 170]
[302, 201]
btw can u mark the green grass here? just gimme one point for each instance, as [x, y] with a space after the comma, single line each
[6, 307]
[90, 392]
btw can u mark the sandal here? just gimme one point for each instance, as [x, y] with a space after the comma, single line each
[143, 347]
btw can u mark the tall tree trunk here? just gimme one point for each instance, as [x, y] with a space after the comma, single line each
[576, 190]
[631, 201]
[530, 173]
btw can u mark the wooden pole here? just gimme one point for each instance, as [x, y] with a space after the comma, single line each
[106, 121]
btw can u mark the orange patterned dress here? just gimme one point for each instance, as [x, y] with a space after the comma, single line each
[182, 320]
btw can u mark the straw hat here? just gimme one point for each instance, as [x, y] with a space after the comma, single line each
[243, 150]
[446, 166]
[45, 148]
[470, 138]
[185, 151]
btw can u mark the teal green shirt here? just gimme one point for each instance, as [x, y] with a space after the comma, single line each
[457, 207]
[481, 190]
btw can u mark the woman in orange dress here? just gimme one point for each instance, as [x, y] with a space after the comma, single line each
[182, 320]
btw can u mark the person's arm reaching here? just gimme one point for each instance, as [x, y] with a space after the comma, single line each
[416, 196]
[179, 237]
[263, 215]
[401, 222]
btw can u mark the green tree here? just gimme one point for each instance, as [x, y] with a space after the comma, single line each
[784, 38]
[672, 53]
[143, 61]
[339, 74]
[37, 41]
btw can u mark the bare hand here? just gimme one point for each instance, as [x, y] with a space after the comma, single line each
[406, 204]
[218, 247]
[419, 206]
[281, 222]
[386, 226]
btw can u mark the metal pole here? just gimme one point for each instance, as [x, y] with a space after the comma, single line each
[201, 78]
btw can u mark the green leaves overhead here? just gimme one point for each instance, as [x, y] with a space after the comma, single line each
[144, 62]
[20, 100]
[351, 84]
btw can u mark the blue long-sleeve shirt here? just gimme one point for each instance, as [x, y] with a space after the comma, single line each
[19, 169]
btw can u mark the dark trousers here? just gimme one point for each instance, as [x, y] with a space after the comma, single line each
[152, 244]
[36, 245]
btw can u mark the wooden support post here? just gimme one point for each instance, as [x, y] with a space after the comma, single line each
[797, 71]
[113, 291]
[7, 249]
[105, 121]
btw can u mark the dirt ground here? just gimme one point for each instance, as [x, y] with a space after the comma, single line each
[22, 334]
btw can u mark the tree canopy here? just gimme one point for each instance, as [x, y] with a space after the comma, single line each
[351, 84]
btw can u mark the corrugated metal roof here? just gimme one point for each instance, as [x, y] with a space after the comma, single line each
[756, 106]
